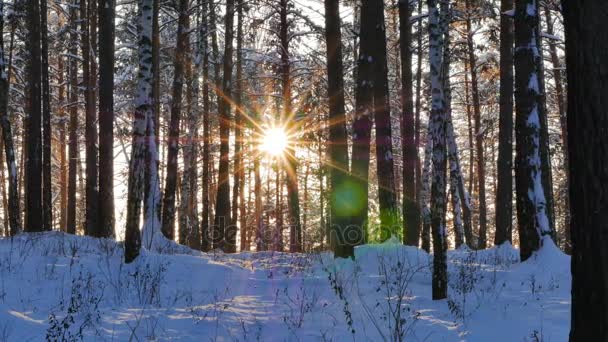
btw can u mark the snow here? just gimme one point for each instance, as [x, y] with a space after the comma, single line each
[48, 279]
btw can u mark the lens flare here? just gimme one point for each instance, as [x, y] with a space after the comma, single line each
[274, 142]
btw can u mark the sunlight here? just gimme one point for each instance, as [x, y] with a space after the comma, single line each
[274, 141]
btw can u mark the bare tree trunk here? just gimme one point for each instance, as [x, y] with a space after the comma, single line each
[63, 163]
[47, 191]
[362, 124]
[587, 62]
[91, 194]
[7, 139]
[479, 148]
[144, 112]
[73, 134]
[205, 243]
[411, 214]
[33, 178]
[532, 217]
[179, 65]
[389, 217]
[225, 235]
[106, 118]
[338, 145]
[561, 105]
[504, 167]
[238, 122]
[438, 123]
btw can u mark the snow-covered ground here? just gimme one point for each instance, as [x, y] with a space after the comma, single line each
[58, 287]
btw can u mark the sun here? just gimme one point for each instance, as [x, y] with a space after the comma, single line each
[274, 141]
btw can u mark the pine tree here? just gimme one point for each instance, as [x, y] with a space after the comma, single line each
[225, 235]
[47, 193]
[362, 125]
[91, 192]
[479, 147]
[73, 125]
[7, 138]
[106, 118]
[387, 197]
[504, 192]
[33, 177]
[179, 64]
[411, 214]
[586, 30]
[532, 217]
[338, 147]
[204, 42]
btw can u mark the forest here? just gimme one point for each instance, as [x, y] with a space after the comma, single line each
[317, 170]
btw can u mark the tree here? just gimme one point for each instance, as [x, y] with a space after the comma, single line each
[33, 178]
[437, 130]
[73, 126]
[504, 192]
[411, 214]
[7, 139]
[47, 193]
[239, 113]
[586, 30]
[479, 149]
[532, 217]
[338, 147]
[204, 42]
[106, 118]
[179, 65]
[144, 114]
[561, 106]
[382, 120]
[362, 124]
[288, 118]
[225, 235]
[91, 193]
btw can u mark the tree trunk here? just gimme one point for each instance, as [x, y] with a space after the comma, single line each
[504, 167]
[340, 208]
[389, 217]
[438, 123]
[47, 191]
[238, 174]
[179, 65]
[106, 118]
[534, 224]
[587, 65]
[288, 117]
[33, 180]
[362, 125]
[411, 214]
[479, 148]
[7, 139]
[63, 163]
[73, 134]
[224, 236]
[425, 192]
[205, 243]
[561, 105]
[144, 112]
[91, 199]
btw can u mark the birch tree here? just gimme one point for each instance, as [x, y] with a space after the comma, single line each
[143, 114]
[437, 130]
